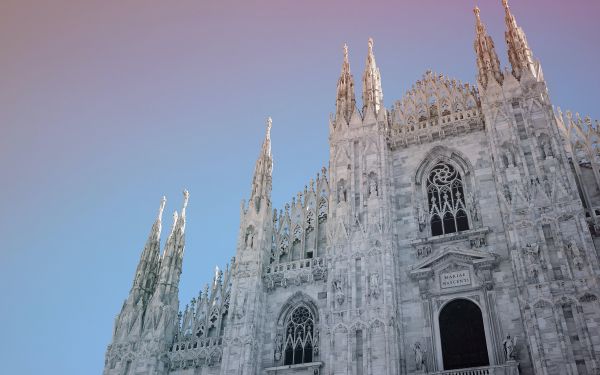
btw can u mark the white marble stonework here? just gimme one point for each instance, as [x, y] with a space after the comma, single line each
[456, 232]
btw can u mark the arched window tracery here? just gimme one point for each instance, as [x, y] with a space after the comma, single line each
[446, 200]
[299, 340]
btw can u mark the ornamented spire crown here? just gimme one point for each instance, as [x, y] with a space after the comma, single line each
[148, 265]
[261, 182]
[345, 101]
[488, 64]
[372, 94]
[519, 53]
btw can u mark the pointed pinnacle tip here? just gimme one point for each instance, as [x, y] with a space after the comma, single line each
[269, 125]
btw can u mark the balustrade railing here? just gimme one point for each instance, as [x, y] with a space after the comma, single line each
[188, 344]
[510, 368]
[295, 265]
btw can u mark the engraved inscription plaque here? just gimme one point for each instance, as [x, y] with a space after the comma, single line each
[454, 279]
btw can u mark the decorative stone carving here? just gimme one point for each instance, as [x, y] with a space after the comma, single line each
[477, 241]
[509, 345]
[424, 251]
[296, 272]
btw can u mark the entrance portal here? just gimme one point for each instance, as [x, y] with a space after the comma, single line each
[462, 335]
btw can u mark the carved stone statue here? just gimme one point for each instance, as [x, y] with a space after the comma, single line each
[420, 362]
[472, 206]
[249, 240]
[338, 290]
[509, 344]
[373, 191]
[342, 193]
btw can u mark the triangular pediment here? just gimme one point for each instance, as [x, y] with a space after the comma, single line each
[453, 255]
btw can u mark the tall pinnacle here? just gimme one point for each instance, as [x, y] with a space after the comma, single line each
[372, 93]
[345, 101]
[488, 64]
[519, 53]
[147, 269]
[261, 181]
[172, 257]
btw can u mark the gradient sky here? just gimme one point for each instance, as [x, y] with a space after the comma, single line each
[107, 105]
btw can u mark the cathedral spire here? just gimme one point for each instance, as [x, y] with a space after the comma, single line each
[172, 257]
[488, 64]
[519, 53]
[372, 94]
[147, 268]
[261, 181]
[345, 101]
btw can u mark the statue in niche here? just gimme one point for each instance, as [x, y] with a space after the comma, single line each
[373, 189]
[509, 344]
[420, 362]
[278, 347]
[249, 239]
[338, 291]
[374, 285]
[342, 195]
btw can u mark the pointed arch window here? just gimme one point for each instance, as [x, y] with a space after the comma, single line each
[299, 333]
[446, 200]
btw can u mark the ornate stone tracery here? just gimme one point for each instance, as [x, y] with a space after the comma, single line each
[299, 333]
[446, 198]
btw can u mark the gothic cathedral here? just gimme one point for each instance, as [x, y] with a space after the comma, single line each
[455, 233]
